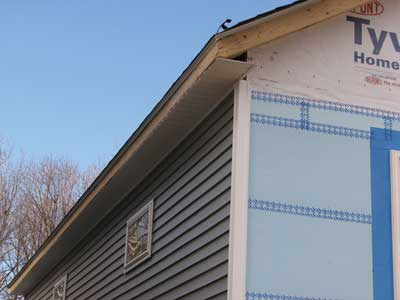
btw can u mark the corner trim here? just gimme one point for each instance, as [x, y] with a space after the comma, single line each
[239, 193]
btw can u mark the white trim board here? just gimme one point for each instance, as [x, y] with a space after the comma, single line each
[239, 193]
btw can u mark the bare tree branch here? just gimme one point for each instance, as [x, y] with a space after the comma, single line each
[34, 198]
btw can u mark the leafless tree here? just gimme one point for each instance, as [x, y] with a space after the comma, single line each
[49, 189]
[10, 182]
[34, 198]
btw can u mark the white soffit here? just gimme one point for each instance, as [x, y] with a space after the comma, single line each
[214, 84]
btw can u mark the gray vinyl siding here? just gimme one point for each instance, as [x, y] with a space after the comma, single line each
[191, 193]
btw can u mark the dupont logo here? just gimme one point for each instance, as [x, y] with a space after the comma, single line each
[374, 8]
[373, 80]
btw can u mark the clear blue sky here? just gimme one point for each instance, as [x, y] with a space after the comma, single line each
[78, 76]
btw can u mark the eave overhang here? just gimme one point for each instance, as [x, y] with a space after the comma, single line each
[206, 81]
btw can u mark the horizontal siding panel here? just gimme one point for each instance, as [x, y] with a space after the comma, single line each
[225, 171]
[205, 234]
[189, 206]
[191, 282]
[215, 290]
[204, 230]
[165, 279]
[191, 192]
[182, 183]
[161, 232]
[222, 296]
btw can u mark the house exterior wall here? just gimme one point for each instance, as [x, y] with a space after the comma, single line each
[191, 193]
[322, 123]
